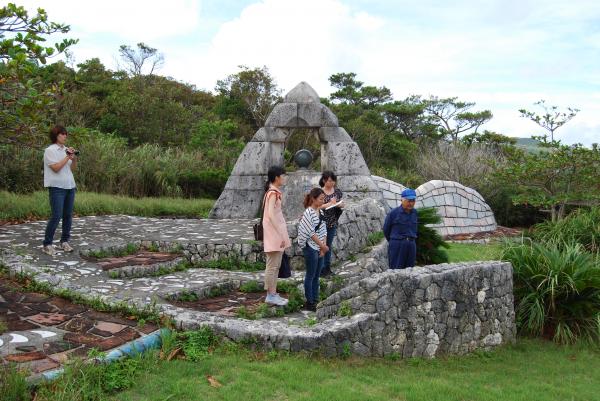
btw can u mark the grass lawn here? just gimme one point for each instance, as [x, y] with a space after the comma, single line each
[34, 206]
[459, 252]
[531, 370]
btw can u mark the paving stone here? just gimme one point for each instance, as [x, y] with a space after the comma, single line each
[109, 327]
[20, 325]
[25, 357]
[43, 307]
[128, 334]
[77, 325]
[48, 319]
[80, 338]
[41, 365]
[58, 346]
[34, 297]
[26, 348]
[107, 317]
[110, 343]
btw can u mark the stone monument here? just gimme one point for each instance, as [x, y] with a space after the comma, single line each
[300, 109]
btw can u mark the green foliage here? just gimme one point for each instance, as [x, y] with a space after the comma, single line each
[187, 296]
[3, 327]
[118, 252]
[232, 264]
[26, 100]
[375, 238]
[35, 206]
[557, 291]
[197, 344]
[13, 385]
[551, 119]
[83, 381]
[464, 252]
[429, 241]
[565, 174]
[580, 227]
[252, 286]
[345, 309]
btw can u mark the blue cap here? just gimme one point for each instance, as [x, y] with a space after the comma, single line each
[409, 194]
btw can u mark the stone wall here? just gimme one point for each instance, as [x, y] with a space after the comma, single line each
[463, 209]
[431, 310]
[420, 312]
[359, 219]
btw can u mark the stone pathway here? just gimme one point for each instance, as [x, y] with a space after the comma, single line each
[43, 332]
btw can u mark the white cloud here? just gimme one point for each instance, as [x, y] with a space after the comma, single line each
[129, 20]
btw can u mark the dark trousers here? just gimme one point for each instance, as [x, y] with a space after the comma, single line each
[402, 253]
[61, 206]
[312, 261]
[326, 260]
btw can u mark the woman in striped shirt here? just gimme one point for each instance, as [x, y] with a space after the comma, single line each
[312, 238]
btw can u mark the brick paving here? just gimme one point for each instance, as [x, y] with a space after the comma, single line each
[43, 332]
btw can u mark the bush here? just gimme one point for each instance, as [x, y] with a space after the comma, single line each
[429, 241]
[557, 290]
[580, 227]
[108, 165]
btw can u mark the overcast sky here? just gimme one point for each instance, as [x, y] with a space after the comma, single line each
[503, 55]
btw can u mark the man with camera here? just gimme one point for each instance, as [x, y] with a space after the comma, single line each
[59, 164]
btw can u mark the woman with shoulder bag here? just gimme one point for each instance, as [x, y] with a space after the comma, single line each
[312, 238]
[275, 234]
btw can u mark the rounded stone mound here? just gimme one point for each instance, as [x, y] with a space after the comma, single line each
[463, 210]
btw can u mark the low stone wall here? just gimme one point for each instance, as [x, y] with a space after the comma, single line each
[356, 223]
[431, 310]
[420, 312]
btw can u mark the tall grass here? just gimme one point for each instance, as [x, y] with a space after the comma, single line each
[581, 226]
[557, 290]
[107, 165]
[34, 206]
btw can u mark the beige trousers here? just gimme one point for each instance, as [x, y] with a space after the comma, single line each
[272, 270]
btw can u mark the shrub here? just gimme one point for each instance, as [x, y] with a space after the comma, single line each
[429, 241]
[557, 290]
[581, 227]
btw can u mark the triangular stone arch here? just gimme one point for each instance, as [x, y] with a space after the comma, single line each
[301, 108]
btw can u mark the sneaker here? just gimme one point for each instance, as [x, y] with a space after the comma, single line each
[309, 306]
[49, 250]
[275, 300]
[282, 299]
[66, 247]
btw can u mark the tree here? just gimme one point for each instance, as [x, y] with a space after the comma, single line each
[26, 103]
[454, 117]
[250, 93]
[552, 118]
[136, 59]
[493, 140]
[408, 118]
[560, 175]
[352, 91]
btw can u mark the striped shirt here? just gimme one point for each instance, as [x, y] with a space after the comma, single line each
[307, 228]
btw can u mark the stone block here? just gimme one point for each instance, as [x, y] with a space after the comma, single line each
[257, 157]
[271, 134]
[302, 93]
[284, 115]
[334, 134]
[344, 158]
[315, 115]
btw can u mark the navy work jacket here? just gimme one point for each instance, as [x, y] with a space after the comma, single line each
[399, 224]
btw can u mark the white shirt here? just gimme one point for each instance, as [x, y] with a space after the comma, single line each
[64, 178]
[308, 227]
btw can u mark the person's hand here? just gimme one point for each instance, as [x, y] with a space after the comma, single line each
[342, 204]
[282, 246]
[321, 253]
[324, 248]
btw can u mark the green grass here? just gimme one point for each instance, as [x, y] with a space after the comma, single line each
[33, 206]
[533, 370]
[459, 252]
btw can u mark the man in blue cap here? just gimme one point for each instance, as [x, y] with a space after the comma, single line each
[400, 229]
